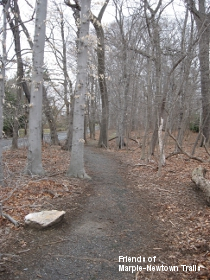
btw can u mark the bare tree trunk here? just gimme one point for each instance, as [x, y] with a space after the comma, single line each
[63, 66]
[205, 81]
[68, 143]
[20, 82]
[92, 111]
[123, 115]
[96, 21]
[2, 80]
[76, 168]
[76, 8]
[184, 82]
[50, 119]
[143, 148]
[66, 76]
[154, 33]
[158, 95]
[202, 19]
[34, 165]
[148, 93]
[85, 127]
[2, 88]
[198, 177]
[126, 84]
[125, 80]
[14, 25]
[162, 160]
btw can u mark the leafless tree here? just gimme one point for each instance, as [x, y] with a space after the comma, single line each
[201, 13]
[76, 168]
[34, 164]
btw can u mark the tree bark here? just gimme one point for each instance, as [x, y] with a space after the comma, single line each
[76, 167]
[14, 25]
[159, 98]
[198, 177]
[47, 108]
[50, 119]
[96, 21]
[76, 9]
[202, 19]
[2, 88]
[162, 160]
[68, 143]
[2, 80]
[34, 165]
[92, 110]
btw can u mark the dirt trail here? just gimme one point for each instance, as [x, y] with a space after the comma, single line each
[111, 219]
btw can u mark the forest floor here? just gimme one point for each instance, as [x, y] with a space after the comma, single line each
[129, 208]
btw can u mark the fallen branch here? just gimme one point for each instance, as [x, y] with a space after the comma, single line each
[198, 177]
[10, 194]
[8, 256]
[113, 138]
[8, 217]
[182, 151]
[134, 140]
[142, 164]
[173, 154]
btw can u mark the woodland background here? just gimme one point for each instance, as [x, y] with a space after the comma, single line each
[145, 98]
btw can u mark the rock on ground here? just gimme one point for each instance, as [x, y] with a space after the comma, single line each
[44, 219]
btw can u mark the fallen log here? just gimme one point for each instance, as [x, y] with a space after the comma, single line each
[198, 177]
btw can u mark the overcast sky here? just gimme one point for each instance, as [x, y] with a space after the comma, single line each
[26, 10]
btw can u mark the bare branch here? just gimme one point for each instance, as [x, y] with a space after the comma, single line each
[29, 4]
[142, 53]
[100, 15]
[181, 149]
[73, 6]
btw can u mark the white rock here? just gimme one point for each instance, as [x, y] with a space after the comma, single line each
[44, 219]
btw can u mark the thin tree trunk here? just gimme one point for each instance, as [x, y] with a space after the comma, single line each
[143, 148]
[50, 119]
[184, 82]
[91, 111]
[162, 160]
[64, 62]
[159, 99]
[2, 88]
[202, 19]
[20, 82]
[68, 143]
[126, 84]
[14, 25]
[96, 21]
